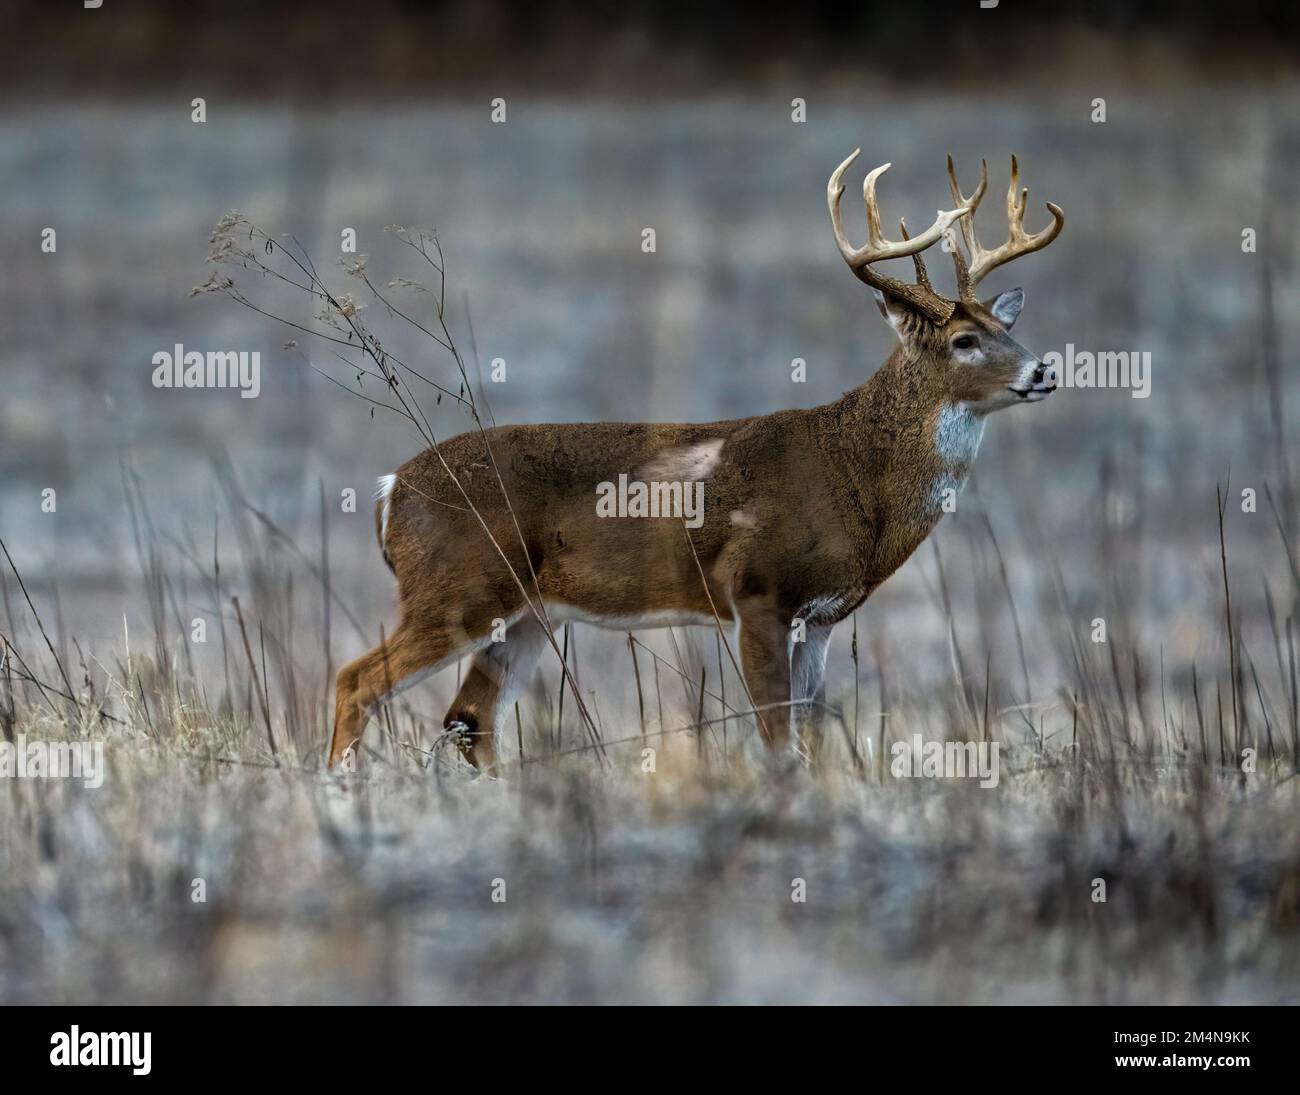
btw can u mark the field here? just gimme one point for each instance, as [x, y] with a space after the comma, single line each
[1140, 844]
[578, 879]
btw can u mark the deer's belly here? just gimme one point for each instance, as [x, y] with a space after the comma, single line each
[634, 621]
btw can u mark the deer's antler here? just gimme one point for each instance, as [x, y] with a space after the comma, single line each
[1019, 242]
[921, 295]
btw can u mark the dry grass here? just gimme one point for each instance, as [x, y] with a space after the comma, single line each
[627, 885]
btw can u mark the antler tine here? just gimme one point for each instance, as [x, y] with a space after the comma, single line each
[922, 275]
[1018, 241]
[965, 288]
[877, 248]
[834, 191]
[875, 237]
[972, 203]
[1016, 202]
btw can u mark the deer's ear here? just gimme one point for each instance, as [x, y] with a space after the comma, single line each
[1005, 307]
[896, 312]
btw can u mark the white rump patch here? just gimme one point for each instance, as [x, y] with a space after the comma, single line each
[689, 464]
[384, 495]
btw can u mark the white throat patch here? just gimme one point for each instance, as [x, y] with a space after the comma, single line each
[956, 439]
[957, 435]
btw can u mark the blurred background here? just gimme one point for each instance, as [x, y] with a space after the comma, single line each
[677, 117]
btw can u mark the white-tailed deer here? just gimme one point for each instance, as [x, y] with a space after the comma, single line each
[507, 531]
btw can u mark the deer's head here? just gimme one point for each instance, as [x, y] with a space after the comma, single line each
[964, 346]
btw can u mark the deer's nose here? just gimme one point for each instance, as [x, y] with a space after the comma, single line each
[1045, 375]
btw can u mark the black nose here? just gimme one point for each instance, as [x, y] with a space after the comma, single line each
[1045, 374]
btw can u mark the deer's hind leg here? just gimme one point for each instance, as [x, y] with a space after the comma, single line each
[412, 652]
[497, 673]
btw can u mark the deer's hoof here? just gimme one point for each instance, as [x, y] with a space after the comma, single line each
[457, 732]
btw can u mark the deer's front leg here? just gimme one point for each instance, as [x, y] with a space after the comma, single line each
[765, 658]
[809, 687]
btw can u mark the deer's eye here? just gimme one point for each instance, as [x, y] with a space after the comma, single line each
[965, 342]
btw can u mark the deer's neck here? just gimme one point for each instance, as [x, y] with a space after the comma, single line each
[905, 450]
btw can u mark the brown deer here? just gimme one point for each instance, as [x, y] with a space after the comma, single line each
[501, 534]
